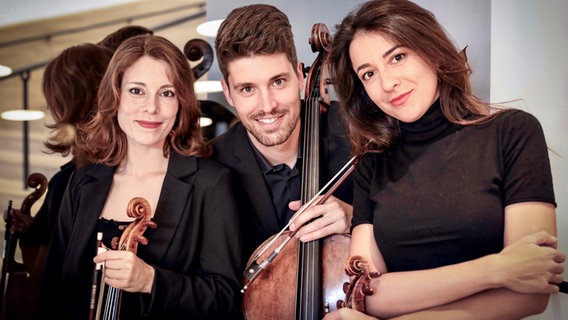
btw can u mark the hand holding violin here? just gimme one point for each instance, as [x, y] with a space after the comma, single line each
[20, 220]
[331, 217]
[124, 270]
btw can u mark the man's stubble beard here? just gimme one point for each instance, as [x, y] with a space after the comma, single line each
[275, 137]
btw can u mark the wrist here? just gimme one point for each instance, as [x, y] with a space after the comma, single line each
[148, 285]
[493, 271]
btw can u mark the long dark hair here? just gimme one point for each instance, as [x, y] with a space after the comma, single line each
[411, 26]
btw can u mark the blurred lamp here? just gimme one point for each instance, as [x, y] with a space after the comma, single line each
[22, 115]
[207, 86]
[205, 121]
[5, 71]
[209, 28]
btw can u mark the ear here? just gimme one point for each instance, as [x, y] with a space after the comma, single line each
[300, 72]
[226, 92]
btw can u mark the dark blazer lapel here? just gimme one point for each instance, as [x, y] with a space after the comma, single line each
[251, 178]
[174, 197]
[93, 198]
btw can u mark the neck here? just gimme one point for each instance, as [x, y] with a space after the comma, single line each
[144, 162]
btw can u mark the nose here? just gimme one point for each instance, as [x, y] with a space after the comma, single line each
[389, 80]
[151, 105]
[267, 101]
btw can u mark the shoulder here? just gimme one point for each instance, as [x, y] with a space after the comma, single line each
[63, 175]
[514, 125]
[517, 118]
[226, 146]
[91, 172]
[229, 138]
[194, 168]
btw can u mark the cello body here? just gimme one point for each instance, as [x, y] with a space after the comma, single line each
[273, 294]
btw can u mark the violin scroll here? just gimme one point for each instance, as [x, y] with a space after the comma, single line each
[138, 208]
[359, 287]
[37, 181]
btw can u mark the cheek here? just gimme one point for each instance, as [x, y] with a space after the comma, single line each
[374, 94]
[120, 118]
[172, 112]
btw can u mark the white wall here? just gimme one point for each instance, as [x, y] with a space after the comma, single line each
[529, 42]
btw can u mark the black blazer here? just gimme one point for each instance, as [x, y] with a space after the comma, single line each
[195, 248]
[259, 219]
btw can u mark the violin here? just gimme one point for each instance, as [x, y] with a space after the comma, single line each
[133, 234]
[301, 280]
[14, 273]
[360, 285]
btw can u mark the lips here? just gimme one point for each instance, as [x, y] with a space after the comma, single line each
[149, 124]
[400, 100]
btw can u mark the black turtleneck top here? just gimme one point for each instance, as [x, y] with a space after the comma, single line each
[438, 197]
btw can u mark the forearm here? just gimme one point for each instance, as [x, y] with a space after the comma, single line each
[498, 304]
[398, 293]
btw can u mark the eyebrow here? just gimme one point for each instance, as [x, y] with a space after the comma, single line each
[250, 84]
[388, 52]
[143, 84]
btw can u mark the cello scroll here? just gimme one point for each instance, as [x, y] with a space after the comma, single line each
[196, 49]
[318, 80]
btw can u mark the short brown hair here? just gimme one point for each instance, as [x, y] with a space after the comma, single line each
[105, 142]
[256, 29]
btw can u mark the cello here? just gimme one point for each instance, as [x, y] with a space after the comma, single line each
[305, 280]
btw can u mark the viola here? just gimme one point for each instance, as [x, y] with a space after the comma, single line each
[133, 234]
[301, 280]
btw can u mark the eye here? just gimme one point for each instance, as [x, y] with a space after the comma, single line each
[279, 82]
[247, 90]
[398, 57]
[136, 91]
[367, 75]
[168, 93]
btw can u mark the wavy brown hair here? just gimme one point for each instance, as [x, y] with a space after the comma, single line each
[70, 83]
[257, 29]
[416, 28]
[105, 142]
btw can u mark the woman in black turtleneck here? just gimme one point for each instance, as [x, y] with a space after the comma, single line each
[453, 199]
